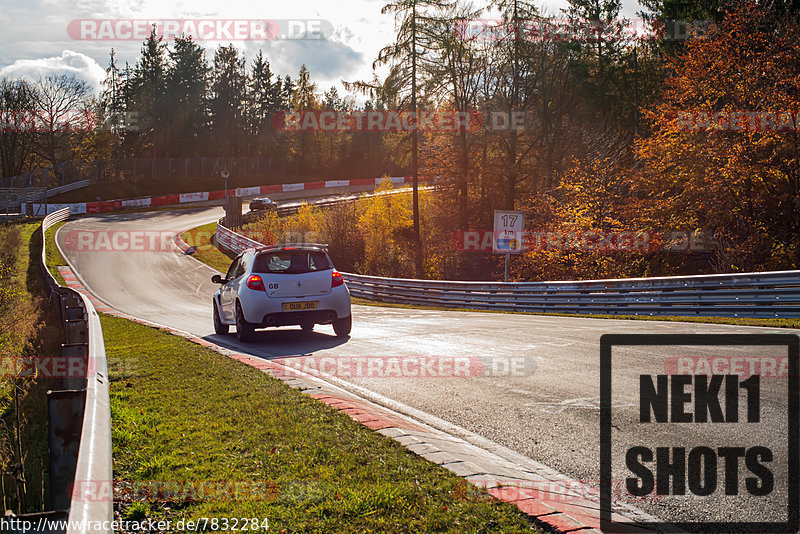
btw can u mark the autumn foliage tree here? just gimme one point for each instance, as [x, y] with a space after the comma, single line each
[739, 177]
[722, 162]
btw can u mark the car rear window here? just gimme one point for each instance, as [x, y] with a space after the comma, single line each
[291, 262]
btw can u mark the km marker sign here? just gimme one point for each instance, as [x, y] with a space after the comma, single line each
[723, 470]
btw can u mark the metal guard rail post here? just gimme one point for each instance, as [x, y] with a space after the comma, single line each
[761, 295]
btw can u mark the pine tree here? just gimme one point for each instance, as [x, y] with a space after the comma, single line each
[146, 91]
[304, 99]
[187, 86]
[265, 99]
[111, 98]
[260, 88]
[227, 104]
[286, 93]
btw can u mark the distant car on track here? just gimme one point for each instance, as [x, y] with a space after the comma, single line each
[263, 204]
[280, 285]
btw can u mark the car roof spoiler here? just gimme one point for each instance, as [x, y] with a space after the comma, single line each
[290, 246]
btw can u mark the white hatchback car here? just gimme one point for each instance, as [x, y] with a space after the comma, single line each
[293, 284]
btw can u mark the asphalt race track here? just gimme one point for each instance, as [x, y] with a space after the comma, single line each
[546, 407]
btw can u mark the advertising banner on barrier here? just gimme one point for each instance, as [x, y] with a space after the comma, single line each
[136, 203]
[247, 191]
[39, 209]
[267, 189]
[165, 200]
[193, 197]
[106, 206]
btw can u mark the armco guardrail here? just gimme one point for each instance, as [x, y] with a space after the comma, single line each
[79, 416]
[39, 195]
[47, 222]
[106, 206]
[233, 241]
[237, 242]
[770, 294]
[291, 209]
[94, 467]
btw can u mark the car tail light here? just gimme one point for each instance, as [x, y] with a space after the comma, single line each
[336, 279]
[255, 283]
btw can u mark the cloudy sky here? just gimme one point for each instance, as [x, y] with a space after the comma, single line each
[57, 36]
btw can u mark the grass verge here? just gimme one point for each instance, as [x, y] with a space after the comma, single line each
[185, 414]
[205, 250]
[53, 257]
[219, 260]
[28, 329]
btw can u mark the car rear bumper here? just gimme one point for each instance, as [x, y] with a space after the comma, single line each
[298, 318]
[268, 311]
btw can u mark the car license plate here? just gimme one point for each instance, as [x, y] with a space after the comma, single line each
[299, 306]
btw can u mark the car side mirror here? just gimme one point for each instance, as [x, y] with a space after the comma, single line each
[217, 279]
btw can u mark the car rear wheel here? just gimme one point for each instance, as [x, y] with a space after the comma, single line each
[244, 330]
[219, 327]
[342, 326]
